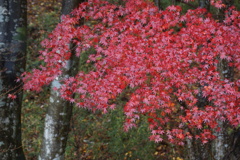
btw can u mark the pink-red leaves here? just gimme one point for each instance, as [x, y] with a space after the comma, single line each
[168, 60]
[12, 96]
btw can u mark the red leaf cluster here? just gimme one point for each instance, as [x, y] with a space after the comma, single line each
[169, 60]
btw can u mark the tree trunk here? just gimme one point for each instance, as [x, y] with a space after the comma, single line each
[57, 120]
[204, 4]
[158, 3]
[68, 5]
[222, 143]
[196, 150]
[13, 22]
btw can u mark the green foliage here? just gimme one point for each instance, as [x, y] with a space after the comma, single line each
[83, 65]
[102, 137]
[118, 2]
[32, 124]
[21, 34]
[133, 144]
[43, 16]
[49, 20]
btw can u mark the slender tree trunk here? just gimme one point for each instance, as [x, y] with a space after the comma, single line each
[59, 111]
[69, 5]
[204, 4]
[221, 143]
[190, 150]
[158, 3]
[13, 22]
[196, 150]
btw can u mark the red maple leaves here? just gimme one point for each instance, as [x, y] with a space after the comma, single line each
[169, 61]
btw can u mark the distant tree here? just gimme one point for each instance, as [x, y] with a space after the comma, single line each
[13, 22]
[57, 120]
[179, 68]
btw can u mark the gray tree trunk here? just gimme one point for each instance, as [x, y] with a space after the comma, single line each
[198, 151]
[204, 4]
[13, 22]
[221, 143]
[57, 120]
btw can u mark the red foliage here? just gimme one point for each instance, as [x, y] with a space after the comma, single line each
[12, 96]
[168, 59]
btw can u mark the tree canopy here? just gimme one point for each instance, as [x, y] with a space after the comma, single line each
[169, 61]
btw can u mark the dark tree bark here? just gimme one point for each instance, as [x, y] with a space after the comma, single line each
[204, 4]
[68, 5]
[13, 22]
[57, 120]
[158, 3]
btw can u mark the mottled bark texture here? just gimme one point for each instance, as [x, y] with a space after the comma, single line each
[13, 22]
[59, 111]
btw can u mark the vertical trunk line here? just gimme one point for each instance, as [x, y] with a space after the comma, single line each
[13, 23]
[57, 121]
[191, 153]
